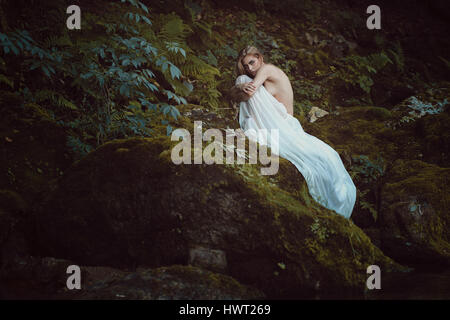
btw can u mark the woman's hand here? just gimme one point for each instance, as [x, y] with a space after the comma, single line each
[249, 88]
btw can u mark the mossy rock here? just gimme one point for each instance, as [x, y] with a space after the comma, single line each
[415, 214]
[359, 130]
[432, 133]
[165, 283]
[46, 278]
[368, 131]
[127, 204]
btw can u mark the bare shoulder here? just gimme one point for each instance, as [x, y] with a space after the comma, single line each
[270, 66]
[272, 69]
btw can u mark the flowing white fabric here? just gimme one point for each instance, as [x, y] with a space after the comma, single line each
[328, 181]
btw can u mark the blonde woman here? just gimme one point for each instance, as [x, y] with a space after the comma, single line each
[266, 102]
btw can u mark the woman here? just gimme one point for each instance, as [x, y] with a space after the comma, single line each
[266, 102]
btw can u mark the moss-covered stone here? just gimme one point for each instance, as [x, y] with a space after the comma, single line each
[137, 207]
[47, 277]
[415, 212]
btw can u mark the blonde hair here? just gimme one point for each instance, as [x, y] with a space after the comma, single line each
[244, 52]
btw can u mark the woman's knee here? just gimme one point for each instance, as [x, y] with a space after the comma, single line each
[243, 78]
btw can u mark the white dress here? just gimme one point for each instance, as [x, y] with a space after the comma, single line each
[328, 181]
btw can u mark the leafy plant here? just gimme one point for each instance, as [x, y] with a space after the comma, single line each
[419, 109]
[368, 170]
[398, 56]
[367, 205]
[133, 68]
[319, 230]
[356, 70]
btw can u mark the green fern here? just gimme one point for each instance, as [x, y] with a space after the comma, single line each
[367, 205]
[118, 115]
[173, 29]
[398, 57]
[59, 41]
[195, 67]
[77, 147]
[55, 98]
[379, 60]
[357, 69]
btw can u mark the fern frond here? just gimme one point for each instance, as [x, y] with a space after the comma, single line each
[54, 97]
[118, 115]
[196, 66]
[174, 30]
[398, 56]
[207, 27]
[379, 60]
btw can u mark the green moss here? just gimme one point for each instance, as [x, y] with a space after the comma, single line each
[376, 113]
[122, 150]
[273, 219]
[282, 205]
[190, 274]
[279, 198]
[428, 184]
[334, 244]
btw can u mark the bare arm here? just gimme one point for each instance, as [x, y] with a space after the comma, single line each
[261, 76]
[243, 91]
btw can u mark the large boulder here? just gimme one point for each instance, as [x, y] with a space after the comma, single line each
[410, 130]
[128, 204]
[380, 144]
[415, 213]
[46, 278]
[175, 282]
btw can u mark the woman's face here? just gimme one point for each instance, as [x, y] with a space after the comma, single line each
[251, 64]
